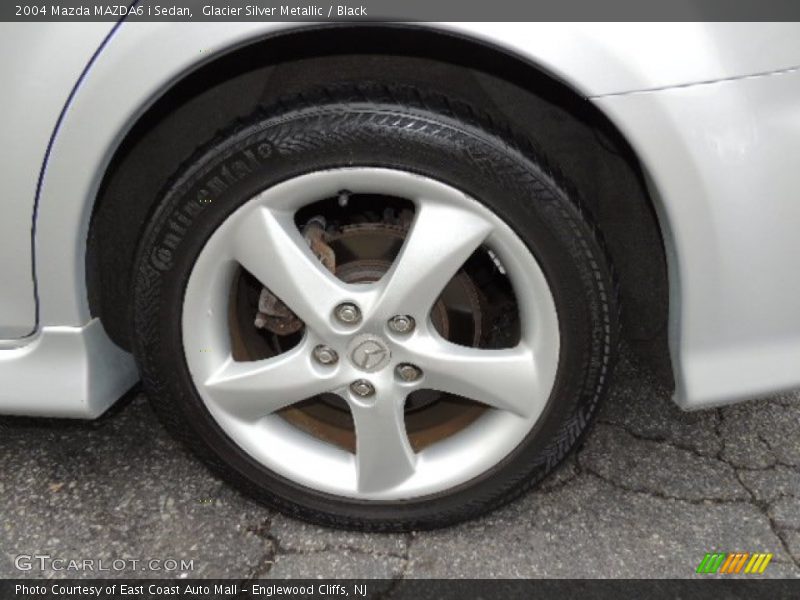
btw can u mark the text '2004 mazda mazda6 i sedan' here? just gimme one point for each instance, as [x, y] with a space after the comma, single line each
[373, 275]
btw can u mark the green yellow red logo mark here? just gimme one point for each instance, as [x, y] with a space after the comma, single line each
[734, 563]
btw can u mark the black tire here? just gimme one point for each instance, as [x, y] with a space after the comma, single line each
[414, 131]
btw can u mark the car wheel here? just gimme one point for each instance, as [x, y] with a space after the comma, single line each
[373, 308]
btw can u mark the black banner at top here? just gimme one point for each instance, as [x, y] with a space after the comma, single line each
[399, 10]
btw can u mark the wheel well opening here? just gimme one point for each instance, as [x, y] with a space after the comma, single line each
[572, 132]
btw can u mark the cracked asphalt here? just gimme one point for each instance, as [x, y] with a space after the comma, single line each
[651, 491]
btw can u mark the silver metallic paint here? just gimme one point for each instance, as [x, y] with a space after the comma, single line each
[724, 161]
[65, 372]
[41, 64]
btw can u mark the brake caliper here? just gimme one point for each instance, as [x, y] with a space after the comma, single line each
[273, 315]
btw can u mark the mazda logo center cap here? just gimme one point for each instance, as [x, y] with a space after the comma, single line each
[369, 353]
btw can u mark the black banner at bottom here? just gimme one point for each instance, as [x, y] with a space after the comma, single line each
[419, 589]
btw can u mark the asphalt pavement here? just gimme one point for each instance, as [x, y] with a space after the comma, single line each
[652, 490]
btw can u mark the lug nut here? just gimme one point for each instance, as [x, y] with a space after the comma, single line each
[325, 355]
[408, 372]
[362, 388]
[348, 313]
[402, 324]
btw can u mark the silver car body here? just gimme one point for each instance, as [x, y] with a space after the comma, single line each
[711, 110]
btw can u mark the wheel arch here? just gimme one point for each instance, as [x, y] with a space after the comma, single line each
[535, 98]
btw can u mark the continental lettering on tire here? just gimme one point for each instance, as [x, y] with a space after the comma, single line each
[233, 171]
[226, 175]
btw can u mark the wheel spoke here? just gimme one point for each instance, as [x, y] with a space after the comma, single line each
[252, 390]
[384, 456]
[270, 247]
[506, 379]
[441, 239]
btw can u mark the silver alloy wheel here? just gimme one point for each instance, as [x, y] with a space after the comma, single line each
[243, 397]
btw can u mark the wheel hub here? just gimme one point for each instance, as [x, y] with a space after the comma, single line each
[369, 353]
